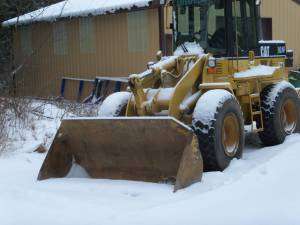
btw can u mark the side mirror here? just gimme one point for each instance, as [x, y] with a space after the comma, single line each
[251, 56]
[289, 61]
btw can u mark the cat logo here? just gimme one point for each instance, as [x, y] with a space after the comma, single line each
[265, 51]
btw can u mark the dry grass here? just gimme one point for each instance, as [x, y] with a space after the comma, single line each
[13, 118]
[22, 114]
[3, 128]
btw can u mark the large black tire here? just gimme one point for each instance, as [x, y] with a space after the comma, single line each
[211, 112]
[274, 99]
[114, 105]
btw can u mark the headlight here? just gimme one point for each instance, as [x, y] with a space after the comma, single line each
[212, 62]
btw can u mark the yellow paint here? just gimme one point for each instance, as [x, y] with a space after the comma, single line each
[197, 79]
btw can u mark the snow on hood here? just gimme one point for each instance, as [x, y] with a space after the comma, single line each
[260, 70]
[74, 8]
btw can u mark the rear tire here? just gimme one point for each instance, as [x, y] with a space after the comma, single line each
[114, 105]
[219, 125]
[280, 108]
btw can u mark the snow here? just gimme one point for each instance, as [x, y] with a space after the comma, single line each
[168, 61]
[41, 132]
[77, 171]
[112, 105]
[75, 8]
[276, 90]
[165, 61]
[260, 70]
[143, 74]
[262, 188]
[272, 42]
[192, 47]
[162, 95]
[207, 107]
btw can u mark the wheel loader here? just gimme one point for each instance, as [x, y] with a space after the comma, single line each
[186, 113]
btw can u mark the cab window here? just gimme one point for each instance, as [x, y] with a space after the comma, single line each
[204, 24]
[244, 26]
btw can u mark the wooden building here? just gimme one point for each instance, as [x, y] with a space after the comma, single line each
[83, 39]
[115, 38]
[281, 21]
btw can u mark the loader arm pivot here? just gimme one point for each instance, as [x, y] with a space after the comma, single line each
[149, 88]
[188, 84]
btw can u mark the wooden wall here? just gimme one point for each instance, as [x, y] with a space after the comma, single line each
[285, 16]
[42, 73]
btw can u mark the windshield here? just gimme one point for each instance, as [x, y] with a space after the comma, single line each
[202, 23]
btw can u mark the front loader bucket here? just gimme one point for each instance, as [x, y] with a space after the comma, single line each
[144, 149]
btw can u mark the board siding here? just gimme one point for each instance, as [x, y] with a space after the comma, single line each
[285, 16]
[42, 73]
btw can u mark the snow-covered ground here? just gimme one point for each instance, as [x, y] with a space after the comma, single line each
[263, 188]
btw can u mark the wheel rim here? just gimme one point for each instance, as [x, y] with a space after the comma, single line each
[230, 134]
[289, 116]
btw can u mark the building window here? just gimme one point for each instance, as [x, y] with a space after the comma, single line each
[87, 35]
[26, 40]
[60, 38]
[137, 28]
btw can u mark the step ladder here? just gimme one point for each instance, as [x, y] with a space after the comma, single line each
[255, 109]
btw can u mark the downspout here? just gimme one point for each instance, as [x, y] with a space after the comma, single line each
[259, 22]
[161, 23]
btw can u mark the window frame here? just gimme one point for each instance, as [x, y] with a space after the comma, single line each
[138, 36]
[244, 19]
[26, 39]
[191, 25]
[87, 40]
[60, 42]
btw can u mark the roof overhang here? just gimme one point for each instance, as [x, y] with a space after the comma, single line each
[79, 8]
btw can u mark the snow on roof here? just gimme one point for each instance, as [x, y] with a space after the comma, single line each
[75, 8]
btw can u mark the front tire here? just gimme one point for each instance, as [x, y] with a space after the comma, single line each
[219, 125]
[280, 108]
[114, 105]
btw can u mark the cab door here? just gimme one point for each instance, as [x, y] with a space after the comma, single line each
[244, 27]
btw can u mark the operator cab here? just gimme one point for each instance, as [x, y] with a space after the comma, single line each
[220, 27]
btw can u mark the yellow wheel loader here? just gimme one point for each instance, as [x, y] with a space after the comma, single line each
[186, 113]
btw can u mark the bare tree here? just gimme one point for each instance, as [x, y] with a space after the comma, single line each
[10, 9]
[13, 110]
